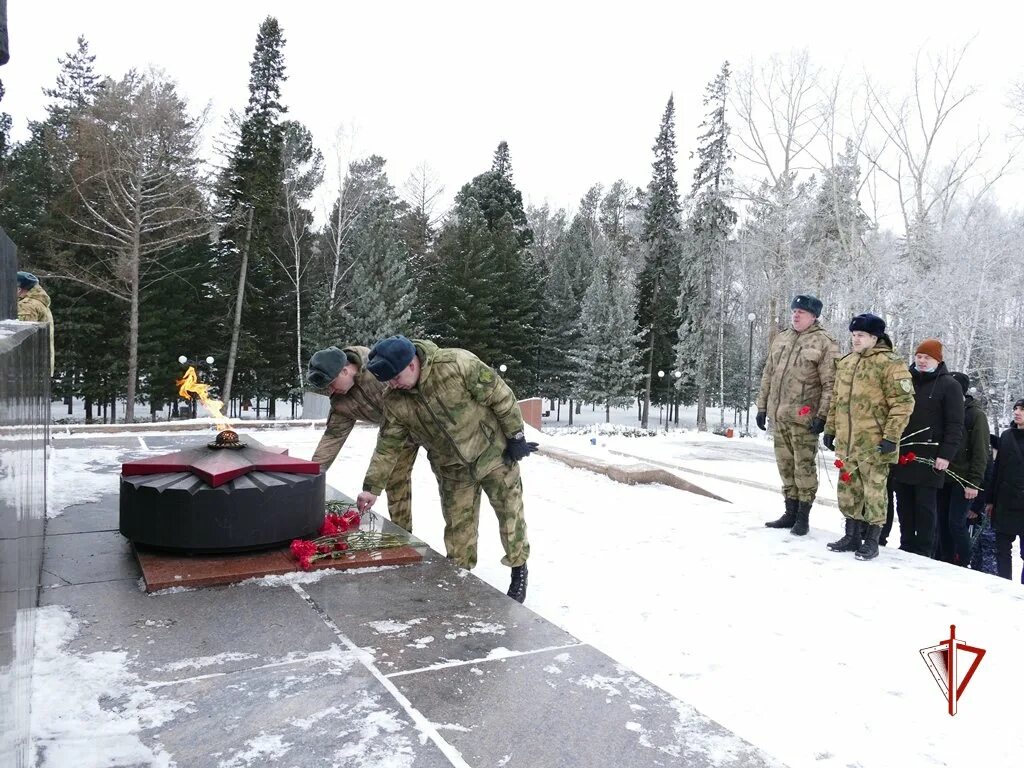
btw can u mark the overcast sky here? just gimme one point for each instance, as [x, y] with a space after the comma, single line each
[577, 89]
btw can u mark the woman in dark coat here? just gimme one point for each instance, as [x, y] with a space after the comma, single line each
[1008, 491]
[938, 419]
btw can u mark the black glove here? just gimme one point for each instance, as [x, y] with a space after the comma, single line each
[829, 441]
[817, 426]
[886, 446]
[761, 417]
[517, 448]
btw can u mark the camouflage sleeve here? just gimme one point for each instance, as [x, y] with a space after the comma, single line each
[490, 390]
[391, 441]
[827, 377]
[30, 311]
[830, 420]
[338, 429]
[898, 389]
[766, 382]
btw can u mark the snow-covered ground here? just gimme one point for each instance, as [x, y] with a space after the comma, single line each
[809, 655]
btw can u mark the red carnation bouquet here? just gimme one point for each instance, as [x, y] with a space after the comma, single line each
[341, 536]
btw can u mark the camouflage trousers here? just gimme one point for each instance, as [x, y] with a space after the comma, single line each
[865, 497]
[460, 505]
[796, 454]
[399, 488]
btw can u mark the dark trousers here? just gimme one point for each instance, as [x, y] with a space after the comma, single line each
[915, 509]
[889, 512]
[1003, 563]
[954, 541]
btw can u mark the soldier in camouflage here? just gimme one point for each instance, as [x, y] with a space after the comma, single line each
[34, 306]
[796, 389]
[872, 403]
[468, 419]
[356, 395]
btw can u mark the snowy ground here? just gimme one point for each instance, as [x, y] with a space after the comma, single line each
[809, 655]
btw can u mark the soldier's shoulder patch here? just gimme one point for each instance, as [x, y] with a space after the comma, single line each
[486, 375]
[907, 386]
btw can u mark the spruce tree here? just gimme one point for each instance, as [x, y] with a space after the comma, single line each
[702, 303]
[659, 278]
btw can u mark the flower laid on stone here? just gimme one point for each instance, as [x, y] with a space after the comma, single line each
[804, 411]
[340, 537]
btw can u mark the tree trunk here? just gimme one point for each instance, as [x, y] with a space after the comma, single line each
[608, 412]
[133, 337]
[570, 411]
[237, 325]
[298, 320]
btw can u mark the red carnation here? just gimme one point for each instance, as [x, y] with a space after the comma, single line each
[351, 518]
[328, 528]
[305, 562]
[805, 410]
[340, 546]
[840, 463]
[846, 477]
[323, 549]
[301, 548]
[911, 456]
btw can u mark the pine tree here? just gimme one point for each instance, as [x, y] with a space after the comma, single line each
[702, 304]
[250, 192]
[659, 279]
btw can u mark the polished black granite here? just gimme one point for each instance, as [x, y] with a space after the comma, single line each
[24, 419]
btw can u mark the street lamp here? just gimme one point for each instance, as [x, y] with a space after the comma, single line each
[678, 375]
[502, 367]
[661, 375]
[750, 366]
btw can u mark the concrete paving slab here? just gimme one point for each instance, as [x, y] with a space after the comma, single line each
[431, 613]
[184, 634]
[328, 712]
[93, 517]
[83, 558]
[573, 707]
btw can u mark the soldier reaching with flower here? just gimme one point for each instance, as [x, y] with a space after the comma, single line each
[796, 388]
[872, 403]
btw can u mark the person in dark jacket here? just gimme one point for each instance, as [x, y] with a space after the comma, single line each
[1007, 509]
[957, 495]
[935, 430]
[983, 553]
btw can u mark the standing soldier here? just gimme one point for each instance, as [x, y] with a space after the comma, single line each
[874, 397]
[468, 419]
[356, 395]
[796, 388]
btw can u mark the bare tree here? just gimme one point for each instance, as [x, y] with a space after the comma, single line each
[137, 182]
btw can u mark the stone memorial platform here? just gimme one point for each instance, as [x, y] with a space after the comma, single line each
[420, 666]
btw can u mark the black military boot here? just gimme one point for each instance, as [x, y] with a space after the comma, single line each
[803, 512]
[517, 589]
[788, 518]
[869, 549]
[851, 540]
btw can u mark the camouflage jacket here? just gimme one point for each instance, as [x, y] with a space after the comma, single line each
[798, 374]
[34, 307]
[460, 410]
[873, 400]
[361, 403]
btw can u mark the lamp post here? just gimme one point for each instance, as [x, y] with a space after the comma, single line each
[661, 376]
[750, 366]
[678, 375]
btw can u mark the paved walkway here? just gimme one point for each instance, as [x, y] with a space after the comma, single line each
[421, 665]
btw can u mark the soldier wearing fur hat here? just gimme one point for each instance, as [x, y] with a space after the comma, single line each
[871, 405]
[935, 430]
[34, 306]
[468, 419]
[356, 395]
[796, 389]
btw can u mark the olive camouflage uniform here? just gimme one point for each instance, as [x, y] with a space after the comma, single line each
[461, 411]
[796, 387]
[363, 403]
[873, 401]
[34, 307]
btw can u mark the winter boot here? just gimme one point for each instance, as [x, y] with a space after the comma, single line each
[517, 589]
[788, 518]
[869, 549]
[803, 512]
[851, 541]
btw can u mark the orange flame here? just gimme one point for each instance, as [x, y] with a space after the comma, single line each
[191, 385]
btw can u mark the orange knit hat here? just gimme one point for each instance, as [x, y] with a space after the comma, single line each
[932, 348]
